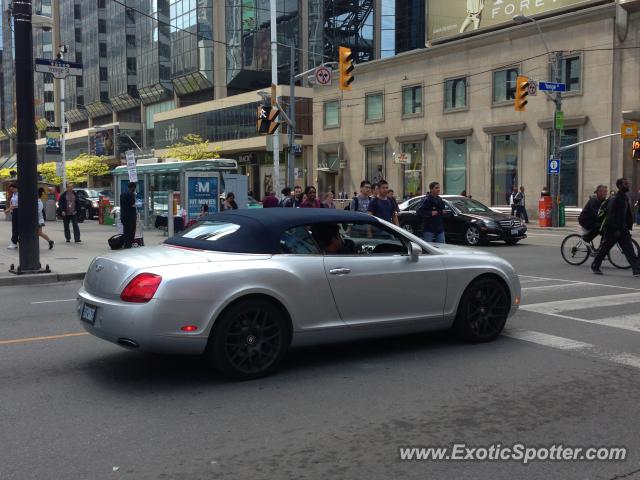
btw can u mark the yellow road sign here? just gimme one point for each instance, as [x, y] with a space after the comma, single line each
[629, 130]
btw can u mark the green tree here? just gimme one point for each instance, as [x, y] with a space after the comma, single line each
[78, 169]
[193, 147]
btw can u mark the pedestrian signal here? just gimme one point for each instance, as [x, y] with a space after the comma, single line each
[266, 122]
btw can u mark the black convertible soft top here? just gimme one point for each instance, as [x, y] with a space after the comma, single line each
[260, 229]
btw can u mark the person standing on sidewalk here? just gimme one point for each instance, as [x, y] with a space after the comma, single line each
[432, 211]
[68, 206]
[13, 210]
[41, 219]
[128, 214]
[522, 207]
[617, 225]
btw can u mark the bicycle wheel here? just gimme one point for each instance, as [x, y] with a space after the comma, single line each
[617, 258]
[574, 249]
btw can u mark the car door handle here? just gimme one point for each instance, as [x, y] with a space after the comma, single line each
[339, 271]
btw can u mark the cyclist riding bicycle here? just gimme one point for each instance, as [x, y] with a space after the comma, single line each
[593, 213]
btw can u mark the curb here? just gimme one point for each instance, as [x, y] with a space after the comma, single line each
[39, 278]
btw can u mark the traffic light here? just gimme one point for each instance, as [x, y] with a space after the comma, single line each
[345, 58]
[267, 122]
[522, 90]
[636, 149]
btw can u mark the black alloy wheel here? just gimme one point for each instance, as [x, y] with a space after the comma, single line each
[249, 340]
[483, 310]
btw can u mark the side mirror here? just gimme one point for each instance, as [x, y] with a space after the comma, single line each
[415, 251]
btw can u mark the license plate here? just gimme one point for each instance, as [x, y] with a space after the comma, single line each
[88, 313]
[515, 232]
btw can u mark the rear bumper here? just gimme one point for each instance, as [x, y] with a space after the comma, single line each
[151, 327]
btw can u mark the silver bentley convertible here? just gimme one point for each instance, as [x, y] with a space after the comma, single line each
[243, 286]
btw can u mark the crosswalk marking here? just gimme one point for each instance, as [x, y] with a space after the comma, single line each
[554, 307]
[524, 281]
[568, 344]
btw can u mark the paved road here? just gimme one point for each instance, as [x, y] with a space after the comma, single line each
[566, 371]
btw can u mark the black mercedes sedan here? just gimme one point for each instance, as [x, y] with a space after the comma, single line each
[468, 221]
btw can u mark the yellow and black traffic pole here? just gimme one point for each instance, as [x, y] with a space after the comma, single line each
[29, 250]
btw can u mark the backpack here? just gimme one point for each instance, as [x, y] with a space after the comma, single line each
[356, 205]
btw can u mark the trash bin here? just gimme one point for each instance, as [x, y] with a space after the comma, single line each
[561, 214]
[545, 206]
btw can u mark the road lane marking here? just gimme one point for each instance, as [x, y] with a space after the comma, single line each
[568, 344]
[40, 339]
[556, 285]
[578, 281]
[55, 301]
[582, 303]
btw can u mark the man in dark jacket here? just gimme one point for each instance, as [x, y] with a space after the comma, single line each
[432, 211]
[588, 218]
[128, 214]
[69, 208]
[616, 226]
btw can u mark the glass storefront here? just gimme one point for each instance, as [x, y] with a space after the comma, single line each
[504, 167]
[568, 167]
[455, 166]
[412, 173]
[375, 168]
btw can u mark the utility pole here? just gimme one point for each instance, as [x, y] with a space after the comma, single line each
[557, 136]
[292, 116]
[58, 90]
[29, 251]
[274, 85]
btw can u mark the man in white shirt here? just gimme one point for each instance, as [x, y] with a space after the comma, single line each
[13, 210]
[474, 9]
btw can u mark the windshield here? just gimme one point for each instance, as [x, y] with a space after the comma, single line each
[468, 205]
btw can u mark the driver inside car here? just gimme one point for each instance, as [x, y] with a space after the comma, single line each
[330, 241]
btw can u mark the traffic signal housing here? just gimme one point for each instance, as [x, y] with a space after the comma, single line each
[522, 90]
[267, 120]
[345, 61]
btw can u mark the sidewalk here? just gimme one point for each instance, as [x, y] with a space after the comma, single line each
[67, 261]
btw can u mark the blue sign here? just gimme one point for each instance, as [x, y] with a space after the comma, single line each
[552, 87]
[554, 166]
[202, 190]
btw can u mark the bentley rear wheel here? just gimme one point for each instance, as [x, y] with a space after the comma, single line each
[483, 310]
[249, 340]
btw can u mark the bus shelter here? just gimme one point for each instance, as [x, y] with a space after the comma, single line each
[194, 182]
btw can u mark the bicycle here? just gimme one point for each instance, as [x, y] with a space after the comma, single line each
[575, 251]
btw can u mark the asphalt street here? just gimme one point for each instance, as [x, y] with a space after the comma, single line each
[566, 371]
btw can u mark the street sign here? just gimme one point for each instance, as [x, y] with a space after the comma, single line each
[554, 166]
[552, 87]
[533, 88]
[629, 130]
[53, 146]
[58, 68]
[559, 121]
[323, 76]
[131, 166]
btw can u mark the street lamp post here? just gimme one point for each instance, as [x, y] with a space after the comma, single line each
[555, 60]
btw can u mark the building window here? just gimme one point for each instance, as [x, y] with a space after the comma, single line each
[79, 82]
[102, 3]
[455, 94]
[104, 97]
[504, 168]
[412, 100]
[374, 107]
[374, 155]
[504, 85]
[412, 172]
[104, 76]
[80, 101]
[131, 41]
[103, 50]
[455, 166]
[570, 73]
[332, 114]
[569, 167]
[131, 66]
[77, 13]
[102, 26]
[78, 35]
[79, 57]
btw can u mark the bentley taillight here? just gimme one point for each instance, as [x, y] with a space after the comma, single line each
[141, 288]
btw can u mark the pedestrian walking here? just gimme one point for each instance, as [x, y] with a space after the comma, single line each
[270, 201]
[328, 200]
[616, 226]
[295, 200]
[360, 201]
[230, 202]
[513, 202]
[128, 214]
[432, 211]
[286, 194]
[310, 201]
[382, 206]
[68, 208]
[545, 192]
[13, 210]
[41, 219]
